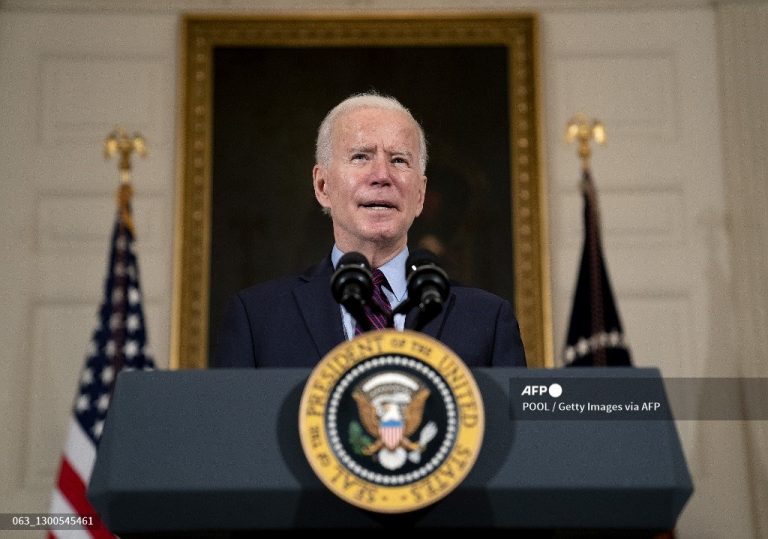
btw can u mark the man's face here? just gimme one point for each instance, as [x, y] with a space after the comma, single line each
[373, 184]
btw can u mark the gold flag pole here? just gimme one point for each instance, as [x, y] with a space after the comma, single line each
[584, 129]
[119, 143]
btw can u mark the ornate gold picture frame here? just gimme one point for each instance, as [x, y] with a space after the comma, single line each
[203, 39]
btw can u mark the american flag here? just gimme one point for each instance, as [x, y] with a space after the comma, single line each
[118, 343]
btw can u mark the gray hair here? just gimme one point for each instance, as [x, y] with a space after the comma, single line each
[370, 100]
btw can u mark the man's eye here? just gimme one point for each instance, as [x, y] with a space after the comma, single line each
[400, 160]
[359, 157]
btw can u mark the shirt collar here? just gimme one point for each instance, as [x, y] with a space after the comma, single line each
[394, 271]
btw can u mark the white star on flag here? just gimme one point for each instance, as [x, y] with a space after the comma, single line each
[82, 403]
[133, 322]
[133, 296]
[87, 377]
[107, 375]
[103, 403]
[131, 349]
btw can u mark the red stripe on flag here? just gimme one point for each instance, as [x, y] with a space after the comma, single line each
[73, 489]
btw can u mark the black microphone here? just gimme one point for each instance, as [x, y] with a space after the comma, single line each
[427, 282]
[352, 286]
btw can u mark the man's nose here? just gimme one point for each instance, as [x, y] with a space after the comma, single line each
[380, 169]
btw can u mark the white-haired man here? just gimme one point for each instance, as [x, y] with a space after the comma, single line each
[370, 179]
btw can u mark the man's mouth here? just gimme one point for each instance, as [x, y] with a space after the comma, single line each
[379, 205]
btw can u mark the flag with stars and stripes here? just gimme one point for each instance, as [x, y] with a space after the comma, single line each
[595, 335]
[117, 344]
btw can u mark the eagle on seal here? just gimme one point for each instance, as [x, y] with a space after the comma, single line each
[391, 425]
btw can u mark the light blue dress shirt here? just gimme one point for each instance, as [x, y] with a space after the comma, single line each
[394, 271]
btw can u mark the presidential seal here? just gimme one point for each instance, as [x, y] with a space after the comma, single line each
[391, 421]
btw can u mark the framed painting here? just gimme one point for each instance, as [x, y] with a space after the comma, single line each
[254, 93]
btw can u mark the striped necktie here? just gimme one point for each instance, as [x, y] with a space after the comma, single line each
[381, 312]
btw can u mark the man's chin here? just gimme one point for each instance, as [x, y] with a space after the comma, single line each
[384, 237]
[378, 235]
[382, 229]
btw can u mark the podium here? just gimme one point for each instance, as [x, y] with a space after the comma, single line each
[218, 452]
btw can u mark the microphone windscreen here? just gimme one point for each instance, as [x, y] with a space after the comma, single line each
[353, 258]
[417, 258]
[352, 283]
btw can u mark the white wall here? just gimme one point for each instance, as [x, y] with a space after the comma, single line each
[744, 61]
[70, 71]
[67, 79]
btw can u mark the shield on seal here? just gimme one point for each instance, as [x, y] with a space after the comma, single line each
[391, 432]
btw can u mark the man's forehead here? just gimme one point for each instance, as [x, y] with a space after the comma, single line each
[358, 123]
[364, 116]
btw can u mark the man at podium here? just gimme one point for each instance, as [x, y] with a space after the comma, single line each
[369, 178]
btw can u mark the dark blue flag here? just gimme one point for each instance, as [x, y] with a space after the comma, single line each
[595, 335]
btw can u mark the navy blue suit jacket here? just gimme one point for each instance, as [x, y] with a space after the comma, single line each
[294, 322]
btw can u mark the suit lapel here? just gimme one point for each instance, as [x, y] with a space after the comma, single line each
[434, 327]
[321, 313]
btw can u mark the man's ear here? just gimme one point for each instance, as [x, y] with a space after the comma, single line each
[422, 194]
[319, 175]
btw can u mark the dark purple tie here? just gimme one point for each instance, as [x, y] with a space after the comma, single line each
[379, 317]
